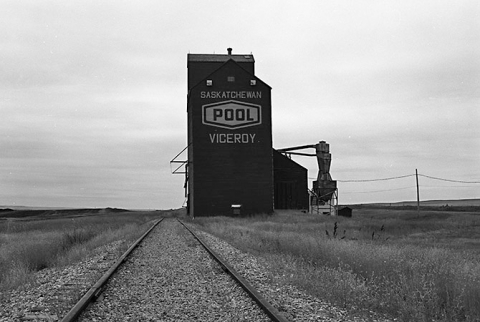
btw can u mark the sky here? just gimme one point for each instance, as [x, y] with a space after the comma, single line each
[93, 94]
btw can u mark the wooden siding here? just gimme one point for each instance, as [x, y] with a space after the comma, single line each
[290, 182]
[222, 174]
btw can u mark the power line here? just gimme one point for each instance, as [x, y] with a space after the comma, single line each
[404, 188]
[406, 176]
[382, 179]
[446, 186]
[448, 180]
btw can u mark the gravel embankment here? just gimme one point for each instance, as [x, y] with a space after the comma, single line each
[293, 303]
[54, 291]
[171, 278]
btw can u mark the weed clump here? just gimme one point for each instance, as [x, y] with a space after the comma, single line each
[76, 237]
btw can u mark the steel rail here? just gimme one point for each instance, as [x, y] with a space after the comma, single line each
[95, 290]
[272, 312]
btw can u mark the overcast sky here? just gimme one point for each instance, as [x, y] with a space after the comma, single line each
[93, 94]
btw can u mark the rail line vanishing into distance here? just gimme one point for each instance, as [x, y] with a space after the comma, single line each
[170, 270]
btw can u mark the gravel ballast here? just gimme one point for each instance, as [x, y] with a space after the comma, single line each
[54, 291]
[169, 277]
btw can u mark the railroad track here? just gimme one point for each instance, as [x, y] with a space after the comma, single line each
[171, 277]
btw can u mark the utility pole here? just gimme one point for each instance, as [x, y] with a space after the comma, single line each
[418, 194]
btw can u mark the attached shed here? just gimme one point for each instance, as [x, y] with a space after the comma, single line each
[290, 183]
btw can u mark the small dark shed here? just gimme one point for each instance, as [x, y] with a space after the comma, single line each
[290, 183]
[345, 212]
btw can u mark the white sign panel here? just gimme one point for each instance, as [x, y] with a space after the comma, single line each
[232, 114]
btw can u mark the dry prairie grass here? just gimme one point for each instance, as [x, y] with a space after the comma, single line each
[414, 268]
[36, 242]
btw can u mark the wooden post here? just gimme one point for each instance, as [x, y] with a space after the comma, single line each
[418, 194]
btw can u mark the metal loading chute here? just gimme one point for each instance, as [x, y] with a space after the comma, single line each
[324, 193]
[324, 186]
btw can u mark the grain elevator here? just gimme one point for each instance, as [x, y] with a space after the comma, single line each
[231, 167]
[229, 136]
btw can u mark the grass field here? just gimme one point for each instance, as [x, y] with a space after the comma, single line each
[390, 260]
[412, 267]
